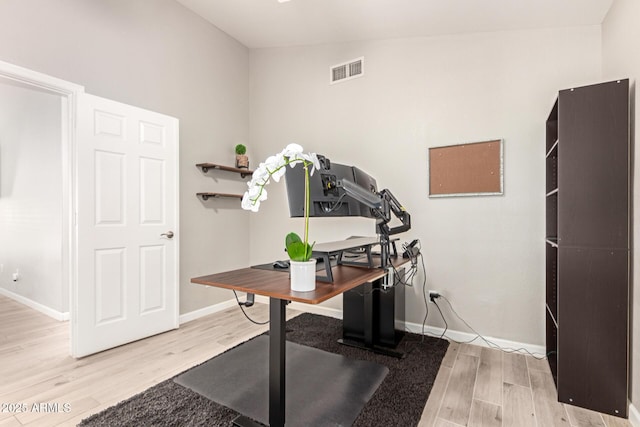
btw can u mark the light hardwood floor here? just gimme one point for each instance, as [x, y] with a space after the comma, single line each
[475, 386]
[482, 387]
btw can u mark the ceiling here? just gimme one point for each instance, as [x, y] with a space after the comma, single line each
[268, 23]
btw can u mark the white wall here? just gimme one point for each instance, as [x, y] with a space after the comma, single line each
[30, 195]
[485, 254]
[620, 59]
[160, 56]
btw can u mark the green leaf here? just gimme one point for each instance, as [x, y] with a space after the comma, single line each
[291, 238]
[309, 251]
[297, 249]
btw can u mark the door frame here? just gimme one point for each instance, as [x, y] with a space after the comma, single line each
[69, 93]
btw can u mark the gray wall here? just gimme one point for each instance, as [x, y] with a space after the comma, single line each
[620, 59]
[31, 195]
[485, 254]
[160, 56]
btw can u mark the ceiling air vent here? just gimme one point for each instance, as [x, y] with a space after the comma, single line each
[347, 71]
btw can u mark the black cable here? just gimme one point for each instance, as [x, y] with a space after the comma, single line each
[489, 343]
[413, 270]
[414, 266]
[443, 335]
[244, 312]
[408, 277]
[446, 326]
[424, 295]
[397, 280]
[337, 204]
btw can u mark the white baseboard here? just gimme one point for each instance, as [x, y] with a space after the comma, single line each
[57, 315]
[538, 350]
[193, 315]
[634, 415]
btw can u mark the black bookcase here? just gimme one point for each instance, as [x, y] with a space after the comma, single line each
[551, 240]
[587, 246]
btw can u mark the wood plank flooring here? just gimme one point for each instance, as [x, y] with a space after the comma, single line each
[475, 387]
[481, 387]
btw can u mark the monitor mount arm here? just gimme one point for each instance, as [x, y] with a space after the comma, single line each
[383, 217]
[383, 204]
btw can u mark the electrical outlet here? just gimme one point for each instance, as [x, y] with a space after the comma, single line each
[433, 295]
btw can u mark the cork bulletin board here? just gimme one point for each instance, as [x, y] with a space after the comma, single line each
[474, 169]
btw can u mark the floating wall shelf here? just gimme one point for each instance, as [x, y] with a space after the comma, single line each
[205, 196]
[205, 168]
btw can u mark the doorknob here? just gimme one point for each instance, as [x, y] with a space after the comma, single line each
[169, 234]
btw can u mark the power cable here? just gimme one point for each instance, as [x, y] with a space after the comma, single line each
[245, 313]
[489, 343]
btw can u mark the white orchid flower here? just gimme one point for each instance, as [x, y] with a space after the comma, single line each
[279, 172]
[248, 204]
[292, 150]
[273, 162]
[260, 175]
[313, 158]
[257, 194]
[275, 166]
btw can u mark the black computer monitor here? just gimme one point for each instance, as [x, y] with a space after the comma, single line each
[326, 200]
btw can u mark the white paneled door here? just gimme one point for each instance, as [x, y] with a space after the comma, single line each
[126, 225]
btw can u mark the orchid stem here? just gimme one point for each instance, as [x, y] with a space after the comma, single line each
[307, 199]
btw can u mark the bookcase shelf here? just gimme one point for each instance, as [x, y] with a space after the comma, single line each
[553, 150]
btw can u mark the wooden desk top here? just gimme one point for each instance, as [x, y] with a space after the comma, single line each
[275, 284]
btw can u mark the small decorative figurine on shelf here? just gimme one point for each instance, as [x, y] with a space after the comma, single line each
[242, 160]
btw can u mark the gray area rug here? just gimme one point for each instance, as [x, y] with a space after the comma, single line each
[398, 401]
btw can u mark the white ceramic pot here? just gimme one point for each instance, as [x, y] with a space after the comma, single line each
[303, 275]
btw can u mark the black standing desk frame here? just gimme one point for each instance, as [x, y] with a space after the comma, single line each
[370, 313]
[277, 357]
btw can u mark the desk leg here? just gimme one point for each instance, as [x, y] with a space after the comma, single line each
[277, 341]
[369, 316]
[371, 323]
